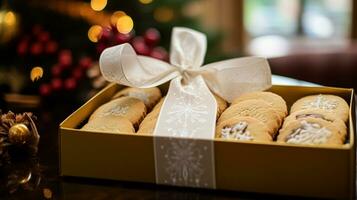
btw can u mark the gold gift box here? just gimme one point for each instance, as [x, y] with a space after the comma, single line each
[286, 169]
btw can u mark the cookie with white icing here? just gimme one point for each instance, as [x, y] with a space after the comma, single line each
[128, 107]
[328, 103]
[320, 114]
[274, 100]
[243, 129]
[312, 131]
[258, 109]
[150, 96]
[109, 125]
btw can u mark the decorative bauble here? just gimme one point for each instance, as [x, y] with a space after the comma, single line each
[122, 38]
[51, 47]
[45, 90]
[19, 134]
[36, 49]
[100, 47]
[159, 53]
[56, 70]
[152, 36]
[140, 46]
[70, 84]
[77, 73]
[44, 37]
[65, 58]
[22, 48]
[9, 24]
[85, 62]
[57, 84]
[106, 34]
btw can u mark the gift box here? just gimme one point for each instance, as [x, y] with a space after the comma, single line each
[187, 154]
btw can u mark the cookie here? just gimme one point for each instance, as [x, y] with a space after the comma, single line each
[221, 105]
[150, 96]
[276, 101]
[320, 114]
[328, 103]
[258, 109]
[110, 125]
[147, 126]
[128, 107]
[243, 129]
[312, 131]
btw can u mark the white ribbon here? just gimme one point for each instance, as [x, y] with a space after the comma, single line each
[189, 110]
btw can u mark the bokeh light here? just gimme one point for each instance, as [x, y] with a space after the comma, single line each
[98, 5]
[36, 73]
[163, 14]
[115, 16]
[94, 33]
[10, 18]
[125, 24]
[145, 1]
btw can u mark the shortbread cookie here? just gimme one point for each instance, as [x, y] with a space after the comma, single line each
[243, 129]
[221, 105]
[150, 96]
[128, 107]
[310, 131]
[328, 103]
[147, 126]
[109, 124]
[258, 109]
[276, 101]
[317, 113]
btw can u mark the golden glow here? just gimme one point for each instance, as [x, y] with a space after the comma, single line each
[163, 14]
[98, 5]
[10, 18]
[94, 33]
[36, 73]
[115, 16]
[145, 1]
[125, 24]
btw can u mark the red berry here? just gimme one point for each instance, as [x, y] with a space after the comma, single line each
[51, 47]
[56, 84]
[85, 62]
[77, 73]
[36, 49]
[106, 34]
[140, 46]
[70, 84]
[159, 53]
[122, 38]
[65, 57]
[44, 37]
[45, 90]
[100, 47]
[152, 36]
[56, 70]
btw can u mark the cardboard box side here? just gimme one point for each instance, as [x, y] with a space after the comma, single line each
[352, 128]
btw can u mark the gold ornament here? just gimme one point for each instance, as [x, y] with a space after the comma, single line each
[9, 24]
[19, 134]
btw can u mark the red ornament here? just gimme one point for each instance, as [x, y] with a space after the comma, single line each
[77, 73]
[140, 46]
[159, 53]
[65, 58]
[36, 49]
[56, 84]
[22, 48]
[70, 84]
[51, 47]
[122, 38]
[44, 37]
[56, 70]
[152, 36]
[100, 47]
[106, 34]
[45, 90]
[85, 62]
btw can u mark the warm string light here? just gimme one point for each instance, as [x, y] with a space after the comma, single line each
[125, 24]
[98, 5]
[163, 14]
[36, 73]
[94, 33]
[145, 1]
[115, 16]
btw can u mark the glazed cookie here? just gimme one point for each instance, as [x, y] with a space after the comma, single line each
[150, 96]
[328, 103]
[128, 107]
[310, 131]
[109, 124]
[276, 101]
[317, 113]
[244, 129]
[258, 109]
[221, 105]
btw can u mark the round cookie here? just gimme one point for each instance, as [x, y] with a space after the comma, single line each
[328, 103]
[320, 114]
[128, 107]
[310, 131]
[221, 105]
[109, 124]
[258, 109]
[243, 129]
[276, 101]
[150, 96]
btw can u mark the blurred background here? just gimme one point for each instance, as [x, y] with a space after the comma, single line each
[49, 49]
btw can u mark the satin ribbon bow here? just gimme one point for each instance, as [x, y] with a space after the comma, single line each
[189, 102]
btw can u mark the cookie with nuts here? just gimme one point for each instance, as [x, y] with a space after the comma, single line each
[311, 131]
[150, 96]
[128, 107]
[243, 129]
[109, 124]
[328, 103]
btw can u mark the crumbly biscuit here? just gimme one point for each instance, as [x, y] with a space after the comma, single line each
[128, 107]
[258, 109]
[150, 96]
[312, 131]
[276, 101]
[221, 105]
[328, 103]
[109, 124]
[244, 129]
